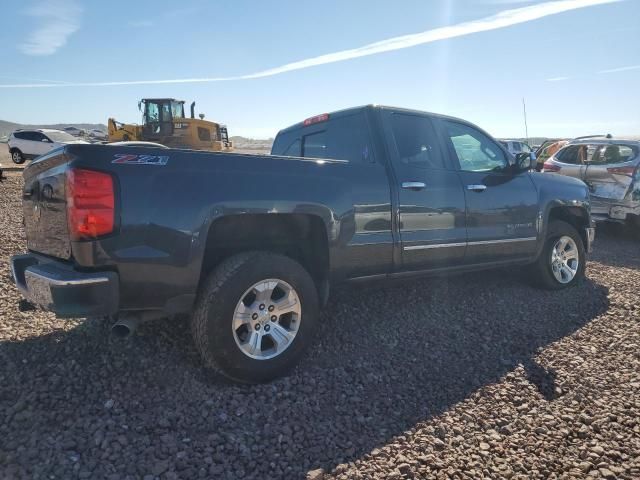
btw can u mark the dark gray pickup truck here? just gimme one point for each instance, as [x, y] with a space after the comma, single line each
[249, 245]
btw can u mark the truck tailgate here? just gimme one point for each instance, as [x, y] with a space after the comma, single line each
[44, 206]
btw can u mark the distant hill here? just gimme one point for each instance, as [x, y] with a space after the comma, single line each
[6, 128]
[244, 143]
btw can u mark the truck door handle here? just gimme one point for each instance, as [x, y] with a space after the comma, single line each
[413, 185]
[477, 188]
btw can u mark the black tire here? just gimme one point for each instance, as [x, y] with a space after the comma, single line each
[542, 269]
[17, 156]
[211, 324]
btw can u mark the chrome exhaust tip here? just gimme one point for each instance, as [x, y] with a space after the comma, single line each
[127, 323]
[125, 327]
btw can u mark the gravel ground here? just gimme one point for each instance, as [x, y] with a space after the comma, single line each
[5, 159]
[474, 376]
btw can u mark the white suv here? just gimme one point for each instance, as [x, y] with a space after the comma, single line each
[27, 144]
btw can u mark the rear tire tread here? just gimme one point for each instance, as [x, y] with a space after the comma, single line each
[208, 292]
[217, 299]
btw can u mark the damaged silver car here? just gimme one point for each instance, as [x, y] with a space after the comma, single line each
[610, 168]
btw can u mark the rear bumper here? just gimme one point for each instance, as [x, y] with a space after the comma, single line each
[55, 286]
[615, 211]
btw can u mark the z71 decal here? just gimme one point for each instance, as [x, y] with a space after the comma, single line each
[140, 159]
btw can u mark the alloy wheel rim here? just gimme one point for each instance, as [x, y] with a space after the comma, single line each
[266, 319]
[16, 157]
[565, 259]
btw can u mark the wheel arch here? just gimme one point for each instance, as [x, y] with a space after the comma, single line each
[575, 215]
[300, 236]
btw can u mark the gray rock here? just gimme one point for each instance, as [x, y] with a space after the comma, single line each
[317, 474]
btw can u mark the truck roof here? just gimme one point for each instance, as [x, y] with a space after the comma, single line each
[351, 110]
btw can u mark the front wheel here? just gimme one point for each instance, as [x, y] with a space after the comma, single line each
[562, 261]
[255, 316]
[17, 157]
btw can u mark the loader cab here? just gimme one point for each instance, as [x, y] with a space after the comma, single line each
[158, 115]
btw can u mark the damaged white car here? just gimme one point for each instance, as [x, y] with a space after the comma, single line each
[610, 167]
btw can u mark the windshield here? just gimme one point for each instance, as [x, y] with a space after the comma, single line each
[60, 137]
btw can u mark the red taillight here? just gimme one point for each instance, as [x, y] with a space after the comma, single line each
[550, 167]
[317, 119]
[90, 204]
[628, 171]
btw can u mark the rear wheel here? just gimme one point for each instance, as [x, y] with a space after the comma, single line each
[17, 157]
[255, 316]
[562, 261]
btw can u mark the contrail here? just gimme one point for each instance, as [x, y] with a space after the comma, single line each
[621, 69]
[502, 19]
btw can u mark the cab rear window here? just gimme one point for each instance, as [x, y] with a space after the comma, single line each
[315, 145]
[342, 138]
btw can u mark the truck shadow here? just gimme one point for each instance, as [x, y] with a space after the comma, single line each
[386, 358]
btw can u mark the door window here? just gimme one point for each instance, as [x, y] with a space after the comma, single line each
[153, 114]
[31, 136]
[37, 136]
[475, 151]
[416, 141]
[576, 154]
[611, 154]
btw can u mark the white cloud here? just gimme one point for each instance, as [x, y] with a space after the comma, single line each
[57, 20]
[621, 69]
[557, 79]
[500, 20]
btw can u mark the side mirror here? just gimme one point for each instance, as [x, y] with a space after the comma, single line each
[45, 140]
[525, 161]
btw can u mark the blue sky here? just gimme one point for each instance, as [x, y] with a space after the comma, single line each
[578, 70]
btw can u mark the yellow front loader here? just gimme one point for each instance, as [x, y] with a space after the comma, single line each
[164, 122]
